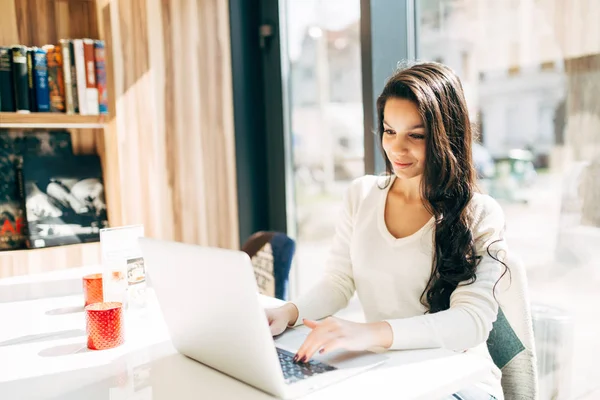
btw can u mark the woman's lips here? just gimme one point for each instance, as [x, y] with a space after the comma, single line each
[401, 165]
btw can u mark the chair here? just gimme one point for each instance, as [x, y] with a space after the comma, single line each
[511, 342]
[271, 254]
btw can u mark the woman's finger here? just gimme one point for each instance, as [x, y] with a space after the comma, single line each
[332, 345]
[327, 325]
[310, 339]
[305, 345]
[310, 352]
[310, 323]
[313, 342]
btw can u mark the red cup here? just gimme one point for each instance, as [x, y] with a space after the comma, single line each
[92, 289]
[104, 325]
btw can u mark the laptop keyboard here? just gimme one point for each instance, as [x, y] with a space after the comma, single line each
[294, 372]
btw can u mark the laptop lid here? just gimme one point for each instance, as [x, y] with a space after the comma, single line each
[209, 300]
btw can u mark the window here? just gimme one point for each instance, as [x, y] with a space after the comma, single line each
[326, 116]
[537, 89]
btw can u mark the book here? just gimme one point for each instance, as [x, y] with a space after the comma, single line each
[91, 91]
[64, 199]
[12, 232]
[7, 99]
[30, 81]
[20, 78]
[100, 58]
[65, 46]
[56, 80]
[74, 88]
[40, 80]
[81, 76]
[13, 145]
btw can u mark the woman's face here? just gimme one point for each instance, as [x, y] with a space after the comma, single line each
[404, 137]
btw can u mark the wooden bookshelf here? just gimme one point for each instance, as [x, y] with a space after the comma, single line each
[40, 22]
[50, 120]
[170, 124]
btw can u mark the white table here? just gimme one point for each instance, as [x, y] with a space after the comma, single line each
[43, 356]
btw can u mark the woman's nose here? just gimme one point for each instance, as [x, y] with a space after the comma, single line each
[400, 144]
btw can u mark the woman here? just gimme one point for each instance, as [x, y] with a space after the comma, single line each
[420, 246]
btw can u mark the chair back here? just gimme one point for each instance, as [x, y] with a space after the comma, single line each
[271, 254]
[511, 341]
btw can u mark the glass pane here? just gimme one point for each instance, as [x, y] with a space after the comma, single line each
[531, 73]
[326, 119]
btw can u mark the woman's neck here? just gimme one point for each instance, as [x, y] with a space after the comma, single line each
[409, 190]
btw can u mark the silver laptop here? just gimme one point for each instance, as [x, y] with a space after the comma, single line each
[210, 302]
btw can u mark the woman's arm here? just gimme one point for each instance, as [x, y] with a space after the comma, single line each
[473, 308]
[336, 288]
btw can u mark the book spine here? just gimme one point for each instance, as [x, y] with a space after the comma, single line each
[100, 58]
[40, 80]
[55, 78]
[24, 221]
[80, 75]
[20, 85]
[91, 91]
[65, 46]
[30, 80]
[7, 98]
[11, 223]
[74, 90]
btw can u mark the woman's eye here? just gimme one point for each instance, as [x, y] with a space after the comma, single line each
[389, 132]
[417, 136]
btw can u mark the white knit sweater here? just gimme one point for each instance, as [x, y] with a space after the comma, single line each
[389, 275]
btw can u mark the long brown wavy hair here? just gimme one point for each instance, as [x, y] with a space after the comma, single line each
[448, 180]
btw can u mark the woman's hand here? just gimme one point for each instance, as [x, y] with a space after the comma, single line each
[334, 333]
[281, 317]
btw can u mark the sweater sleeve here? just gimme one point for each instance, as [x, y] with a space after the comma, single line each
[336, 288]
[473, 307]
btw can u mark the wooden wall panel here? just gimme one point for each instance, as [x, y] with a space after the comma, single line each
[225, 148]
[110, 153]
[136, 121]
[162, 39]
[187, 116]
[174, 118]
[200, 119]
